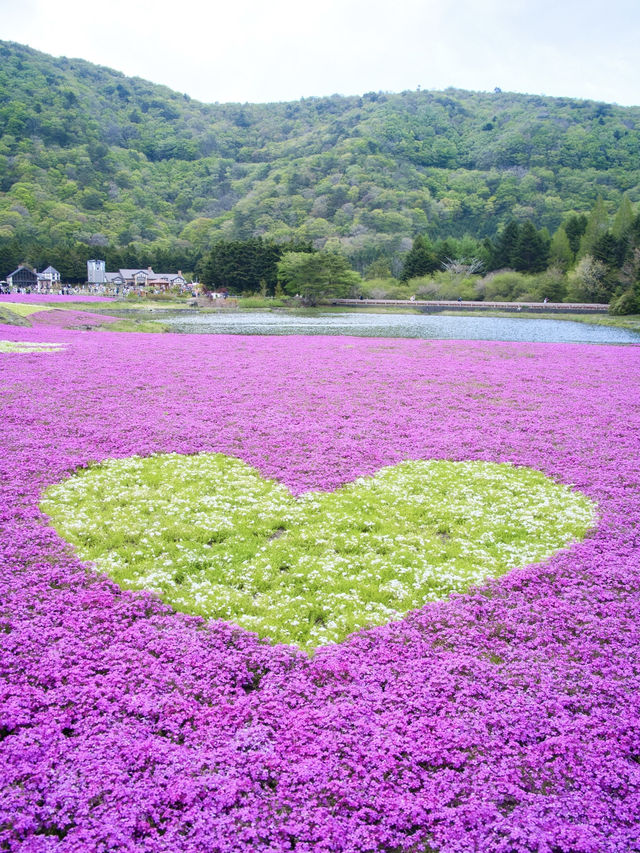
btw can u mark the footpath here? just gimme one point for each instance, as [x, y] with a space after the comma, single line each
[451, 305]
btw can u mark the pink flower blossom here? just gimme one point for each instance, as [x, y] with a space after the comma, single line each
[504, 720]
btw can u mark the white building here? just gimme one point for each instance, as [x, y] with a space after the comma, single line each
[49, 276]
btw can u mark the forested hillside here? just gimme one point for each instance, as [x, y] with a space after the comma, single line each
[92, 162]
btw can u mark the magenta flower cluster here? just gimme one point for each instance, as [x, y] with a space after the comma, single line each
[67, 318]
[505, 720]
[47, 298]
[61, 318]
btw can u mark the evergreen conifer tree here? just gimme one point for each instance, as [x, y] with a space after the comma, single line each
[504, 251]
[531, 250]
[575, 227]
[597, 226]
[623, 219]
[421, 259]
[560, 254]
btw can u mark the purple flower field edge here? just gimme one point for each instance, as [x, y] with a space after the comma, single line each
[53, 297]
[70, 319]
[503, 721]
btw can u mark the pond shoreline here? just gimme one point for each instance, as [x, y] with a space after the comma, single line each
[481, 306]
[139, 314]
[409, 324]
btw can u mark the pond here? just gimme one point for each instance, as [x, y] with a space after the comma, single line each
[396, 326]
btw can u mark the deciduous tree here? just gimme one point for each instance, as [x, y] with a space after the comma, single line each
[317, 276]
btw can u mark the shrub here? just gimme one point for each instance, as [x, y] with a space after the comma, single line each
[627, 302]
[505, 286]
[550, 284]
[588, 282]
[387, 288]
[257, 301]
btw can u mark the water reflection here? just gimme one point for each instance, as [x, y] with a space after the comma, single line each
[432, 326]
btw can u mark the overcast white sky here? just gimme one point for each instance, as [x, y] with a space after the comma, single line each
[280, 50]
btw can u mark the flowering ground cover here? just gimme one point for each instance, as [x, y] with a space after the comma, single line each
[37, 312]
[504, 719]
[71, 318]
[26, 298]
[30, 346]
[211, 536]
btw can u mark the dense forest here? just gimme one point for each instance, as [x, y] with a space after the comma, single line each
[93, 163]
[589, 258]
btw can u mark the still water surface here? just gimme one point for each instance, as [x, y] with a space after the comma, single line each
[397, 326]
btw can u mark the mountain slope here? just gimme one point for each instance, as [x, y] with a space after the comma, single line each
[89, 156]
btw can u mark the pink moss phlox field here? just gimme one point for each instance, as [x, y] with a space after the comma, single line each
[53, 297]
[501, 721]
[62, 318]
[70, 319]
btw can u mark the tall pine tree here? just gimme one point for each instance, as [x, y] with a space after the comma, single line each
[504, 249]
[531, 250]
[421, 259]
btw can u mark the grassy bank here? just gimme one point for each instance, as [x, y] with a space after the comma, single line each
[134, 324]
[17, 312]
[12, 318]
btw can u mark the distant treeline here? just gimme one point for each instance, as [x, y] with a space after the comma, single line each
[589, 258]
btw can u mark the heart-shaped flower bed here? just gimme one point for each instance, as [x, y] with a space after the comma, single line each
[211, 536]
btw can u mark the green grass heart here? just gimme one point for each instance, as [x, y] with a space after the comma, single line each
[211, 536]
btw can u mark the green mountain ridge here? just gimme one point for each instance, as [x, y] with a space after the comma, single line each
[93, 161]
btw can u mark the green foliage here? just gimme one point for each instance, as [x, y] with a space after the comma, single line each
[446, 285]
[387, 288]
[505, 247]
[318, 275]
[623, 220]
[93, 163]
[238, 266]
[596, 228]
[575, 226]
[379, 268]
[518, 246]
[505, 286]
[452, 264]
[550, 285]
[420, 261]
[246, 266]
[560, 254]
[627, 302]
[531, 250]
[588, 282]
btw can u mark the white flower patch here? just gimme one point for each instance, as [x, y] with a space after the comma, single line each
[30, 346]
[211, 536]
